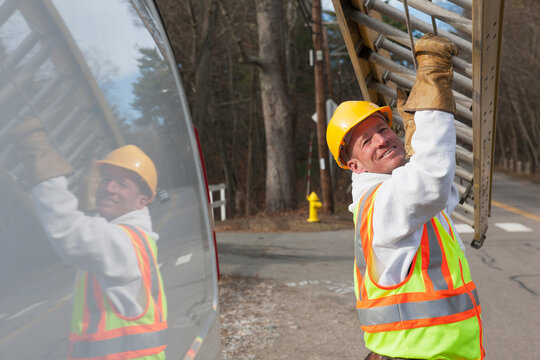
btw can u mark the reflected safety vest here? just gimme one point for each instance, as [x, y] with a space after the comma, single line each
[98, 331]
[434, 313]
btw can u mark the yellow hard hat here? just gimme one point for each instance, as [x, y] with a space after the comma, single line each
[130, 157]
[347, 115]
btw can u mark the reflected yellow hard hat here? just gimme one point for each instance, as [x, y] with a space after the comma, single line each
[347, 115]
[130, 157]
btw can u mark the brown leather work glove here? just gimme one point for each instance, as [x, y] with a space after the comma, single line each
[40, 159]
[87, 188]
[408, 121]
[432, 89]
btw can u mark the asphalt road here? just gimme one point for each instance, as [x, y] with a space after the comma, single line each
[35, 315]
[506, 269]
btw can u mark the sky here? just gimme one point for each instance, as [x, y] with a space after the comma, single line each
[92, 24]
[327, 5]
[107, 36]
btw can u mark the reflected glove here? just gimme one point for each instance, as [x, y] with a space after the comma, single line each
[432, 89]
[87, 188]
[40, 159]
[408, 121]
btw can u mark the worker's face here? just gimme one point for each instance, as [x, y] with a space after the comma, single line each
[375, 148]
[118, 192]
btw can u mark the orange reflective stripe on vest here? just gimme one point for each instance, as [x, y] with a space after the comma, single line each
[109, 335]
[154, 342]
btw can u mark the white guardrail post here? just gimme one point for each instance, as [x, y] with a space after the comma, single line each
[221, 202]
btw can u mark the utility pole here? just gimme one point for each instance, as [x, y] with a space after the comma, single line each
[320, 105]
[327, 63]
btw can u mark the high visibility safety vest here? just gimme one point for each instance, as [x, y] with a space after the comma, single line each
[98, 331]
[434, 313]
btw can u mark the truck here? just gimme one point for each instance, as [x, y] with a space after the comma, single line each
[98, 75]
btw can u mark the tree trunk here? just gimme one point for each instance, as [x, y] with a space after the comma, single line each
[250, 147]
[204, 68]
[278, 112]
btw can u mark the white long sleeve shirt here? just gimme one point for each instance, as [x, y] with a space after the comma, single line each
[93, 243]
[411, 196]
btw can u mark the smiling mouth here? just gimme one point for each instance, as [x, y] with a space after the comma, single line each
[387, 152]
[106, 201]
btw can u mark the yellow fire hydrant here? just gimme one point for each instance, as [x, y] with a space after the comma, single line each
[314, 206]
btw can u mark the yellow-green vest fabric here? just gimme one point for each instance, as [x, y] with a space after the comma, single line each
[434, 313]
[98, 331]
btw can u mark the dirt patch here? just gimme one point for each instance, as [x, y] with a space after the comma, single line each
[269, 319]
[287, 222]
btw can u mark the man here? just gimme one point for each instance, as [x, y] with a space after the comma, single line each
[415, 297]
[119, 306]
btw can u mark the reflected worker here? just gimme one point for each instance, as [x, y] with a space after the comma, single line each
[119, 305]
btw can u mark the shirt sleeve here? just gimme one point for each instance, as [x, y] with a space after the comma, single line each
[422, 188]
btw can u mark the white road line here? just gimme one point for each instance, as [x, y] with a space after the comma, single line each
[464, 228]
[24, 311]
[183, 259]
[64, 299]
[3, 316]
[513, 227]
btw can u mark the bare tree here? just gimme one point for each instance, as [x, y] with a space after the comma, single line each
[278, 111]
[518, 128]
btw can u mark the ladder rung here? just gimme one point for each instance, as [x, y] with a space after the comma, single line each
[464, 112]
[24, 47]
[71, 141]
[7, 9]
[465, 208]
[47, 90]
[464, 154]
[61, 98]
[463, 173]
[463, 132]
[418, 24]
[391, 65]
[39, 58]
[461, 189]
[466, 4]
[449, 17]
[396, 118]
[74, 114]
[404, 53]
[460, 82]
[408, 84]
[88, 141]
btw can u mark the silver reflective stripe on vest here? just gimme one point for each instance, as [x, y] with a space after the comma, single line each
[120, 344]
[93, 308]
[435, 259]
[417, 310]
[358, 250]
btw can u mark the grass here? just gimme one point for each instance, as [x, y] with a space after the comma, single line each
[288, 221]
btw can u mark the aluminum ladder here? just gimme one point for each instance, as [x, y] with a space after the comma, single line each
[380, 53]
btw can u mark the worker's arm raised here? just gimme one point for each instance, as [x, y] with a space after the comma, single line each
[421, 189]
[91, 243]
[88, 243]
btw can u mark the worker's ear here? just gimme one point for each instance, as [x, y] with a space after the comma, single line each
[355, 166]
[141, 201]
